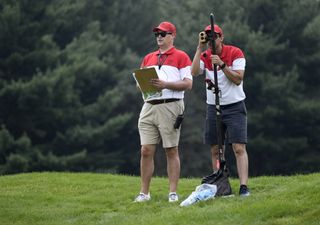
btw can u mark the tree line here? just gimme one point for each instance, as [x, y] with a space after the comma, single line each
[68, 101]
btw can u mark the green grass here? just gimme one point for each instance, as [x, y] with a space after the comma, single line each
[87, 199]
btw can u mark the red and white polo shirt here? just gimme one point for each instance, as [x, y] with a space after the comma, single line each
[171, 66]
[233, 57]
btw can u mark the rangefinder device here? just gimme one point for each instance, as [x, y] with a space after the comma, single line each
[178, 122]
[203, 37]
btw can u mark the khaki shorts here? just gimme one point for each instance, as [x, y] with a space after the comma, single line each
[156, 123]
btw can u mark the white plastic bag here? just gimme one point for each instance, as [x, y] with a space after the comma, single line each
[203, 192]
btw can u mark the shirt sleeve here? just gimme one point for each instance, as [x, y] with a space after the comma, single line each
[201, 67]
[185, 66]
[186, 72]
[239, 64]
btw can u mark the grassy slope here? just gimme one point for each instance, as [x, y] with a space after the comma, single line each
[83, 198]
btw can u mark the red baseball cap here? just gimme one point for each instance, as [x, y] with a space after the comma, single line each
[217, 29]
[165, 26]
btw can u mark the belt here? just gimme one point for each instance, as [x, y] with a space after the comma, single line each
[160, 101]
[231, 105]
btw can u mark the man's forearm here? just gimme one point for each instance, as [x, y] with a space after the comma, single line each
[195, 67]
[235, 76]
[180, 85]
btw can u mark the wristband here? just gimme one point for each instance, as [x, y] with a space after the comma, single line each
[223, 66]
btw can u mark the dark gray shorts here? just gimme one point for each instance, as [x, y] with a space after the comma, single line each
[234, 124]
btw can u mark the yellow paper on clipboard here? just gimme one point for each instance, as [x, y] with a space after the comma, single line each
[143, 77]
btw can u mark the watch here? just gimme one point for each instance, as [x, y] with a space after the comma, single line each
[223, 66]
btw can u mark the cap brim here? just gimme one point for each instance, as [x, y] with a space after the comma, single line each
[156, 29]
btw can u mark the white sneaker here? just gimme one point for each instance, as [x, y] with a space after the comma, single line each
[142, 197]
[173, 197]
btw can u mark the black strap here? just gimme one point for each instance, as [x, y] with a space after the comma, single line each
[161, 59]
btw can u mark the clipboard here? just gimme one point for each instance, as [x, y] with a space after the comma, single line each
[143, 77]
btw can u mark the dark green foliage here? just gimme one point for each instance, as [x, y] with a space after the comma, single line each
[68, 100]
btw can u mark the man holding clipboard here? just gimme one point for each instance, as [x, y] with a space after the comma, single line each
[163, 107]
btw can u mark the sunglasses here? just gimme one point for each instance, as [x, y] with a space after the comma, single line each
[216, 35]
[162, 34]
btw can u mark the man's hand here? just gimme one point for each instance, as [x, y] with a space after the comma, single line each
[160, 84]
[215, 59]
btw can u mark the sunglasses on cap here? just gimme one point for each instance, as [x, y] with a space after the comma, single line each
[162, 34]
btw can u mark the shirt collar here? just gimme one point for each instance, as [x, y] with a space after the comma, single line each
[168, 52]
[209, 52]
